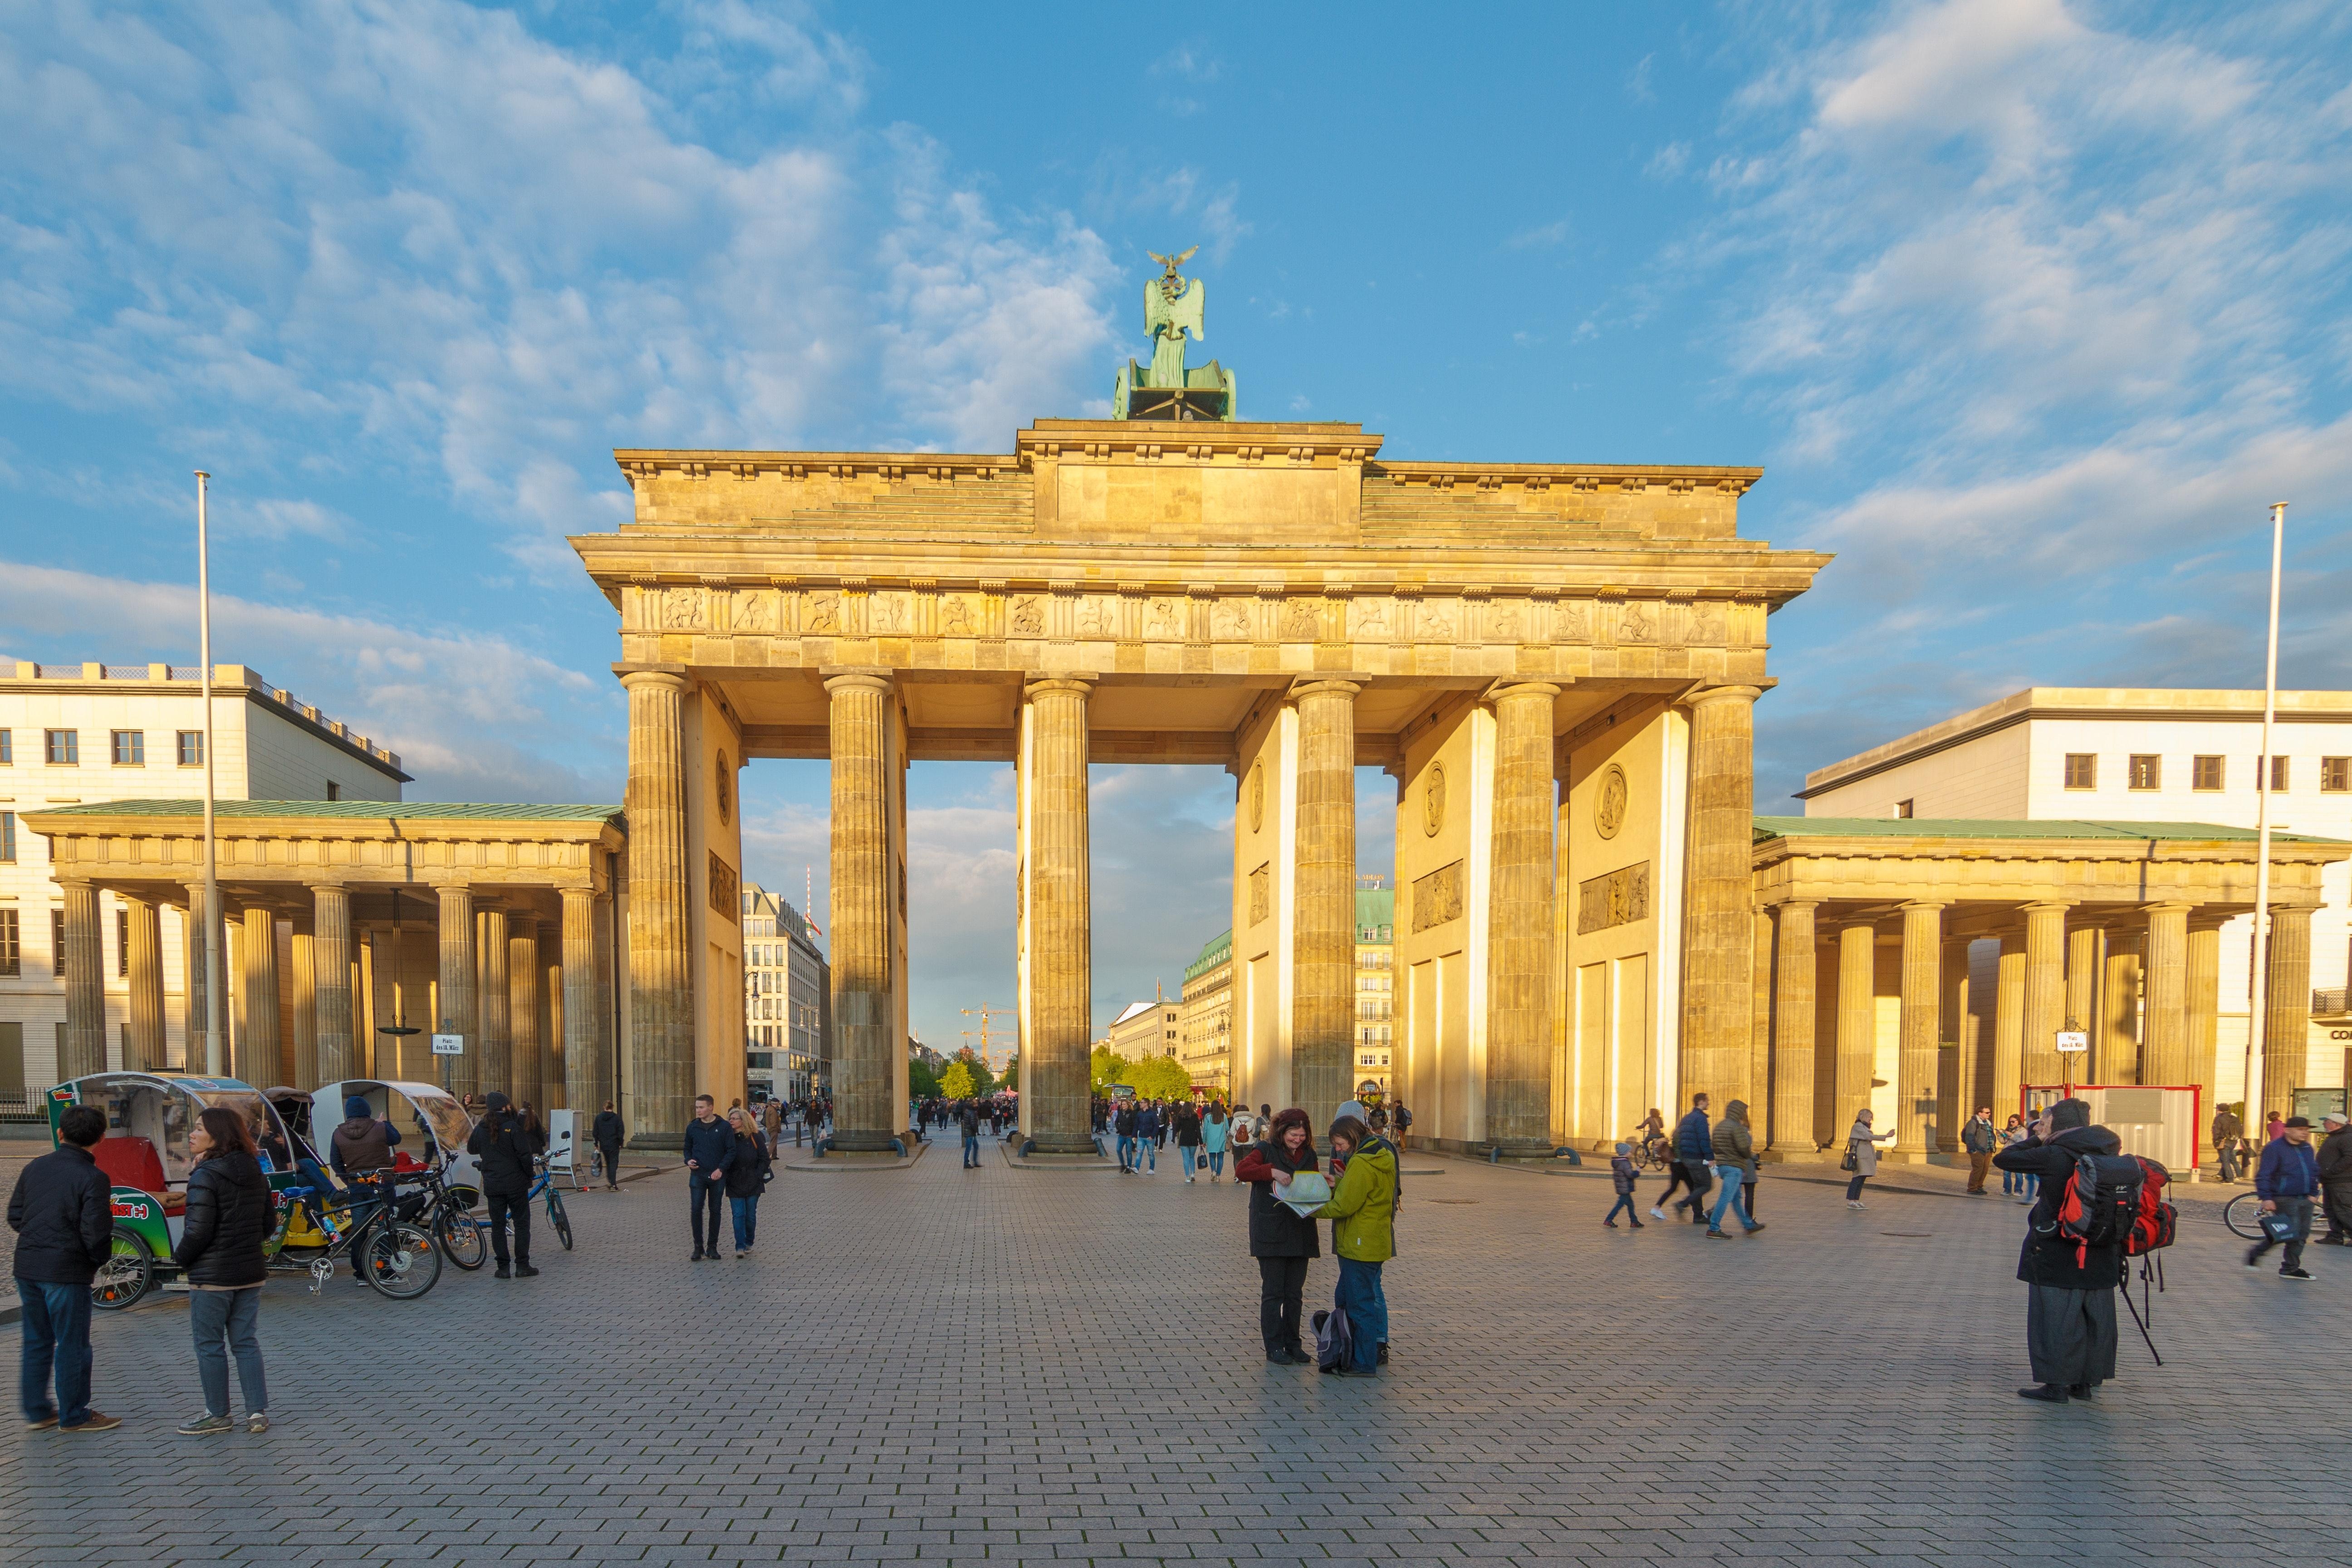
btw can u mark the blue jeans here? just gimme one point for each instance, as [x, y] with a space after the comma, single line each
[223, 1322]
[971, 1149]
[1368, 1312]
[747, 1220]
[1731, 1176]
[56, 1332]
[1190, 1154]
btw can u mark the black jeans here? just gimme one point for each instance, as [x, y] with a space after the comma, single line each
[706, 1193]
[504, 1207]
[2299, 1211]
[1282, 1281]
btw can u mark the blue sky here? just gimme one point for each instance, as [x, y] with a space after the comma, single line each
[2028, 309]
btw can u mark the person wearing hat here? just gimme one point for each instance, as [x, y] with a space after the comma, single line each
[2286, 1181]
[2335, 1177]
[502, 1144]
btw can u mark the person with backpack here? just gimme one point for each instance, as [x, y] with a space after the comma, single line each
[2286, 1181]
[1861, 1155]
[2071, 1282]
[1623, 1176]
[1362, 1209]
[1978, 1139]
[1281, 1239]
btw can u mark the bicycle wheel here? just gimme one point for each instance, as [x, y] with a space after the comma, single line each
[558, 1218]
[400, 1261]
[2243, 1214]
[460, 1238]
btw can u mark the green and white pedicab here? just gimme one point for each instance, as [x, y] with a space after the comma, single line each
[146, 1155]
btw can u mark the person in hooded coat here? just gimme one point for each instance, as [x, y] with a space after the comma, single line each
[2070, 1302]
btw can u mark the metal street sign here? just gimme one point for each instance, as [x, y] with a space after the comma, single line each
[2069, 1040]
[449, 1045]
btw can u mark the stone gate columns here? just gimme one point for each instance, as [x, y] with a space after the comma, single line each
[863, 1077]
[582, 1090]
[203, 970]
[1323, 939]
[85, 1038]
[661, 994]
[2164, 1058]
[2286, 1014]
[1791, 1129]
[330, 957]
[1716, 940]
[457, 989]
[143, 1043]
[1857, 1022]
[1916, 1133]
[1520, 933]
[1057, 919]
[2045, 989]
[525, 1071]
[2204, 988]
[2009, 1026]
[258, 1043]
[493, 1002]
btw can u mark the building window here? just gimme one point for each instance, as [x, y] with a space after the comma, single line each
[2278, 773]
[58, 943]
[1903, 811]
[130, 748]
[63, 746]
[7, 747]
[334, 790]
[2142, 771]
[7, 836]
[2081, 770]
[2206, 773]
[10, 940]
[2336, 774]
[192, 748]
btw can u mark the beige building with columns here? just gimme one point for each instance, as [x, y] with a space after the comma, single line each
[1543, 655]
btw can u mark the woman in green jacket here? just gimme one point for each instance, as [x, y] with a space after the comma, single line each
[1362, 1212]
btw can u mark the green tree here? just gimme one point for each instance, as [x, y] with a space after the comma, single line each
[956, 1082]
[1105, 1066]
[1161, 1077]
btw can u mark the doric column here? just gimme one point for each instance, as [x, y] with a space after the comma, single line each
[1791, 1125]
[2045, 989]
[1923, 1016]
[581, 1089]
[1059, 1029]
[1857, 1027]
[864, 1115]
[660, 966]
[85, 1039]
[456, 990]
[2117, 1038]
[331, 959]
[144, 1050]
[1519, 931]
[2165, 1061]
[2286, 1007]
[1323, 932]
[2008, 1028]
[202, 974]
[1719, 891]
[304, 978]
[257, 1051]
[2203, 986]
[493, 1001]
[522, 1010]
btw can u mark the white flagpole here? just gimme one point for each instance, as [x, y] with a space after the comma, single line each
[2257, 1002]
[216, 1057]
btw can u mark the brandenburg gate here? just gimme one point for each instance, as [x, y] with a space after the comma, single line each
[1556, 662]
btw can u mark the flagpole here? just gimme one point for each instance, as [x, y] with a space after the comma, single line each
[216, 1057]
[2257, 1031]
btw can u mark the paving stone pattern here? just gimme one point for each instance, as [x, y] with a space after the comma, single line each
[1007, 1365]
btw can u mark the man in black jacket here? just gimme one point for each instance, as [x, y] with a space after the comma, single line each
[607, 1134]
[63, 1214]
[710, 1149]
[502, 1144]
[2070, 1304]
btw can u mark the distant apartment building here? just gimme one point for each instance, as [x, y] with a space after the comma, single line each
[1375, 986]
[2123, 755]
[81, 733]
[1205, 1036]
[787, 999]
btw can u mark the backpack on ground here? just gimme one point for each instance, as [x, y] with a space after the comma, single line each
[1334, 1340]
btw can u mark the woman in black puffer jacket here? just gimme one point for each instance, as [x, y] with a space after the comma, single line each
[231, 1214]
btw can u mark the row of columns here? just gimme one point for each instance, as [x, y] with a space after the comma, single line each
[510, 986]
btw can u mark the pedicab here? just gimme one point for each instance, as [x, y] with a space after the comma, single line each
[146, 1155]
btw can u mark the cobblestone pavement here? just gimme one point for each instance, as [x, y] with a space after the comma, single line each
[1002, 1364]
